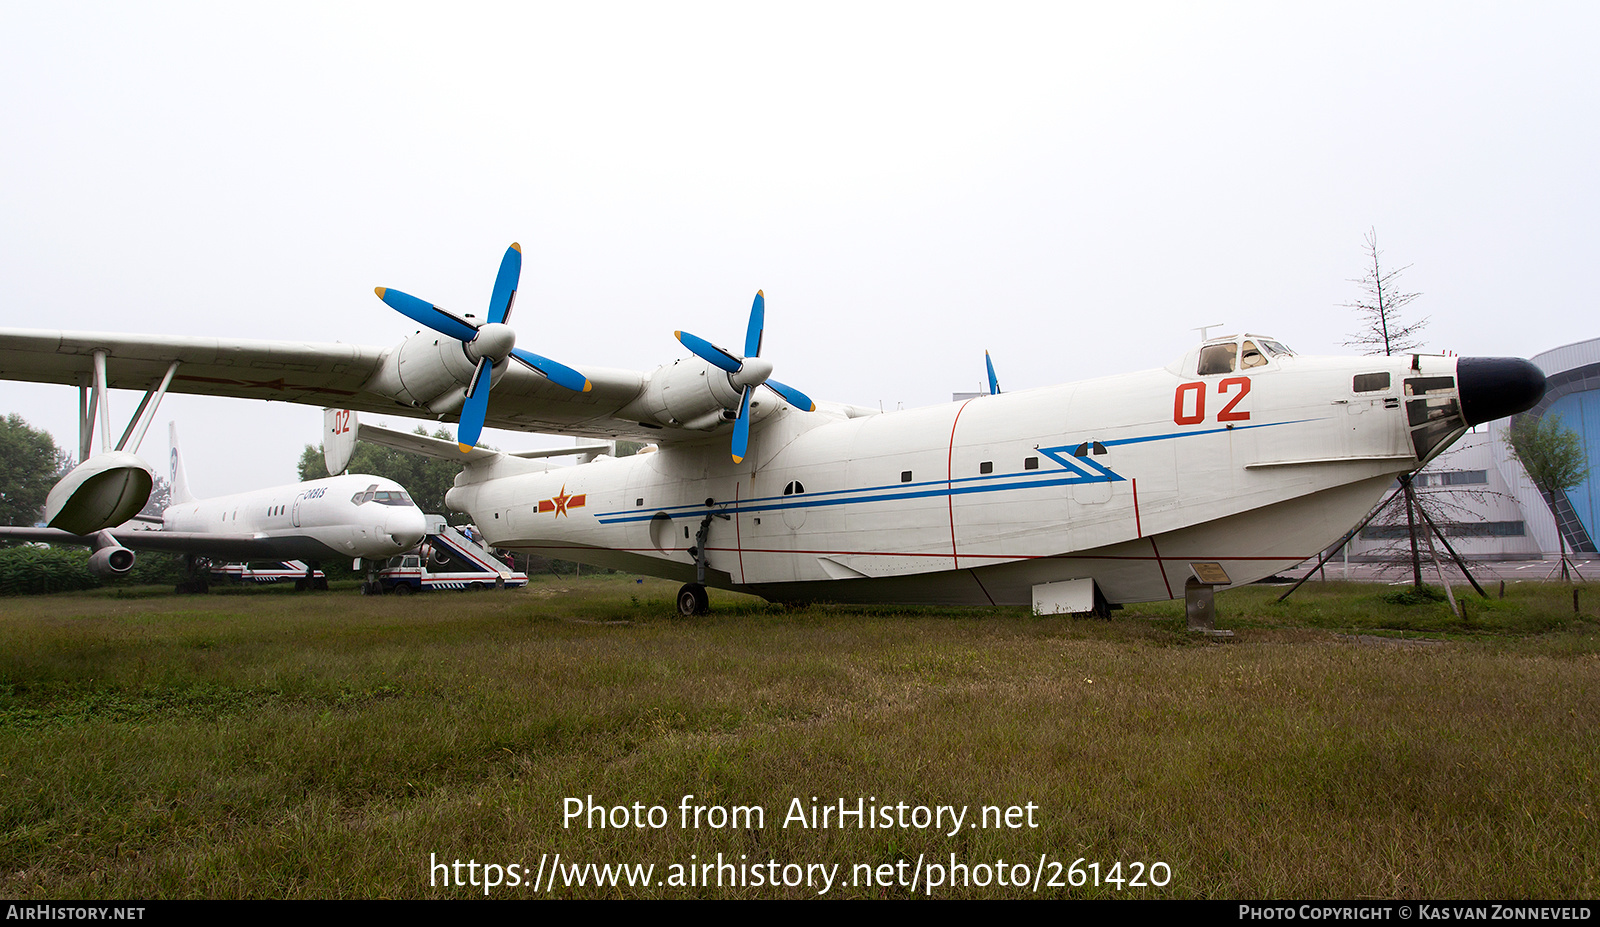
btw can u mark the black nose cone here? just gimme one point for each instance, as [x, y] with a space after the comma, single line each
[1495, 387]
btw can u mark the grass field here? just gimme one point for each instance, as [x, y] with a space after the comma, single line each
[329, 745]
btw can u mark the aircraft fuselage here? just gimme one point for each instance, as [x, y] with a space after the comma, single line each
[1128, 480]
[318, 520]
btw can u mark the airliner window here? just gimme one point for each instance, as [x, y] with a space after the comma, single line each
[1252, 356]
[1217, 358]
[1371, 382]
[794, 488]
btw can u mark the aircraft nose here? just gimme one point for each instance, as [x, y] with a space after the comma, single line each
[1495, 387]
[406, 527]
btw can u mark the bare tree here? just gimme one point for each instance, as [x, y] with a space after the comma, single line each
[1386, 333]
[1380, 308]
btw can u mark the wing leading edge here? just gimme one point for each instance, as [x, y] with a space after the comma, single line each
[360, 377]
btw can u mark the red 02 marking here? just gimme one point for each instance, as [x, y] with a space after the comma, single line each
[341, 422]
[1191, 410]
[1199, 414]
[1228, 414]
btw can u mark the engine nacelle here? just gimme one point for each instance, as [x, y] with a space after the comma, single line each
[693, 394]
[103, 491]
[111, 561]
[430, 372]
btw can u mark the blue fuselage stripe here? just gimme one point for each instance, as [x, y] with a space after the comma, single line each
[995, 482]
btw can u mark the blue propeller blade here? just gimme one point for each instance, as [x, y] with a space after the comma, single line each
[994, 384]
[475, 409]
[557, 373]
[725, 360]
[505, 284]
[758, 321]
[741, 428]
[793, 396]
[710, 353]
[427, 314]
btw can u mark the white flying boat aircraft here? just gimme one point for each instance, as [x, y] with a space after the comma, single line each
[1239, 459]
[350, 517]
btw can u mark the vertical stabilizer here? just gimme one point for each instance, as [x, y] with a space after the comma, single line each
[175, 476]
[338, 439]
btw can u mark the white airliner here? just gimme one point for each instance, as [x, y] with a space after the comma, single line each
[352, 517]
[1237, 460]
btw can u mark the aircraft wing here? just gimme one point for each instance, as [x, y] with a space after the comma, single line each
[328, 375]
[214, 546]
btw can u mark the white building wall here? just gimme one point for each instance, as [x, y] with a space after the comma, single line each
[1535, 511]
[1496, 500]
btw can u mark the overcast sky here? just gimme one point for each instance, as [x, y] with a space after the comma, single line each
[1073, 186]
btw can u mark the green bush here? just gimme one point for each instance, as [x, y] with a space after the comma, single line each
[1426, 595]
[30, 570]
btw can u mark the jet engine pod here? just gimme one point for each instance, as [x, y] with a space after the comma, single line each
[103, 491]
[111, 561]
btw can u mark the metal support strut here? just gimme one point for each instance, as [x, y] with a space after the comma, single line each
[692, 599]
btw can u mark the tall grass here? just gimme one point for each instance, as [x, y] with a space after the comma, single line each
[324, 745]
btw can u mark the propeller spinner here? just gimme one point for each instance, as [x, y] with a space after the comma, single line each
[489, 344]
[747, 372]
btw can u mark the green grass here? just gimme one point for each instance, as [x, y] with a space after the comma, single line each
[324, 745]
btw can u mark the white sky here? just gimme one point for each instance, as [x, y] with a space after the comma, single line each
[1073, 186]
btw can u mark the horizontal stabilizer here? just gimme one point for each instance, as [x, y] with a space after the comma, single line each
[439, 448]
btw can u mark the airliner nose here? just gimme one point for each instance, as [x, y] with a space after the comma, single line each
[1495, 387]
[406, 526]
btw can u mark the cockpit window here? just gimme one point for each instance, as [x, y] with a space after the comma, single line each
[1217, 358]
[1244, 354]
[382, 497]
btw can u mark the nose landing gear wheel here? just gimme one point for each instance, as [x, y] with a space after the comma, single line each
[692, 600]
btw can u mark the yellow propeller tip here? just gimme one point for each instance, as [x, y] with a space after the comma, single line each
[465, 448]
[587, 386]
[380, 290]
[761, 293]
[516, 247]
[738, 459]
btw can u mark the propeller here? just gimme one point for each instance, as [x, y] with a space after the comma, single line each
[747, 372]
[994, 384]
[489, 344]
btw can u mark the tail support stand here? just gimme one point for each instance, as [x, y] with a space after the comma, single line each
[1200, 599]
